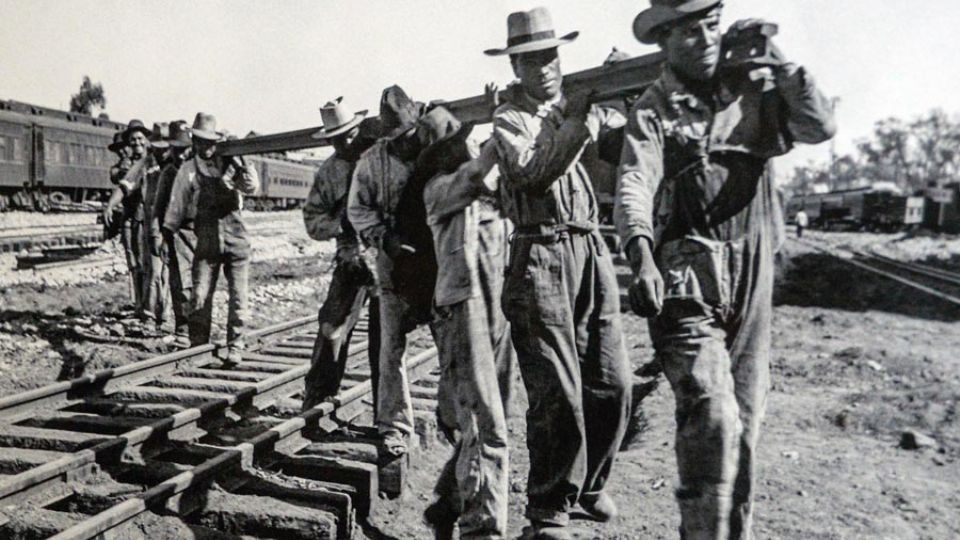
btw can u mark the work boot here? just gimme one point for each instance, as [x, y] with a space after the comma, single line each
[394, 442]
[441, 519]
[538, 530]
[233, 358]
[599, 507]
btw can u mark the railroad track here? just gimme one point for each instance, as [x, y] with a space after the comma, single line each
[23, 238]
[937, 282]
[180, 435]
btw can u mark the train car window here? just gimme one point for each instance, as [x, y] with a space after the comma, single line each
[18, 150]
[5, 150]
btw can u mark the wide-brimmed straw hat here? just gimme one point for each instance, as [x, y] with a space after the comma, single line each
[117, 143]
[135, 125]
[179, 134]
[662, 12]
[529, 31]
[440, 132]
[398, 113]
[337, 119]
[205, 127]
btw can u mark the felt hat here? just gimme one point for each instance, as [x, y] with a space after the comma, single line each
[205, 127]
[398, 113]
[159, 135]
[443, 137]
[133, 126]
[337, 119]
[179, 134]
[117, 143]
[529, 31]
[662, 12]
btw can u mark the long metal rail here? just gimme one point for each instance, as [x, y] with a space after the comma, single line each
[622, 79]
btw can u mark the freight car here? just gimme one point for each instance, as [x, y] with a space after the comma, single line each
[867, 208]
[52, 157]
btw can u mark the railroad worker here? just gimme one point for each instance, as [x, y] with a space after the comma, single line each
[211, 188]
[136, 140]
[560, 295]
[325, 217]
[700, 223]
[470, 241]
[179, 246]
[802, 222]
[378, 182]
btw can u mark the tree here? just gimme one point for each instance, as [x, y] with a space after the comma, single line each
[90, 95]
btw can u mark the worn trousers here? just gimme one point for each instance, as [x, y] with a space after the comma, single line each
[206, 271]
[476, 359]
[155, 278]
[713, 341]
[346, 295]
[563, 302]
[180, 247]
[394, 405]
[132, 249]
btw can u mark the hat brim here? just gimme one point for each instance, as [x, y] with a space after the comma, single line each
[129, 131]
[534, 46]
[161, 145]
[461, 134]
[656, 16]
[206, 135]
[340, 130]
[116, 146]
[176, 143]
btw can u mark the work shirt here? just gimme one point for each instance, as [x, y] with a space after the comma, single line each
[543, 180]
[802, 219]
[378, 181]
[469, 233]
[690, 166]
[325, 212]
[186, 203]
[164, 190]
[140, 183]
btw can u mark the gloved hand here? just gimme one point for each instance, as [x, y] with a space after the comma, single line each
[395, 246]
[768, 29]
[646, 289]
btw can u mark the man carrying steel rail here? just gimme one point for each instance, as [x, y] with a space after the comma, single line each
[378, 183]
[561, 294]
[211, 189]
[179, 246]
[325, 217]
[700, 222]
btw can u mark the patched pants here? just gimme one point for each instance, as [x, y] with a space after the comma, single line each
[474, 482]
[713, 341]
[394, 405]
[235, 262]
[180, 248]
[348, 291]
[563, 302]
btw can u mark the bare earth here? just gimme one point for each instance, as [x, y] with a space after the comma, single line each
[857, 361]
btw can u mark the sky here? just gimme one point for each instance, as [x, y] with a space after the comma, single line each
[267, 65]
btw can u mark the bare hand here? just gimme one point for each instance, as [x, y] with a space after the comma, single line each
[491, 92]
[107, 215]
[646, 289]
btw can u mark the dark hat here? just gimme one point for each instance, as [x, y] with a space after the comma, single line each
[398, 113]
[443, 137]
[205, 127]
[529, 31]
[337, 119]
[159, 135]
[179, 134]
[135, 125]
[662, 12]
[117, 143]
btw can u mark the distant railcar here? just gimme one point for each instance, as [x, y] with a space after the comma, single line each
[50, 156]
[284, 183]
[860, 208]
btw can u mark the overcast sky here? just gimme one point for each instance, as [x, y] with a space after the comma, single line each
[268, 64]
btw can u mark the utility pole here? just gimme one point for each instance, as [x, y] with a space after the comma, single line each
[834, 101]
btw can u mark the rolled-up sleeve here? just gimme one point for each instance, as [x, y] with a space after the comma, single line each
[361, 203]
[448, 194]
[809, 112]
[133, 179]
[639, 176]
[247, 180]
[534, 162]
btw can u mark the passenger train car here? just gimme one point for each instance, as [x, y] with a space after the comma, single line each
[861, 208]
[52, 158]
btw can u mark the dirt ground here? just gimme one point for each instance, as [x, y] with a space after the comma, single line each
[857, 361]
